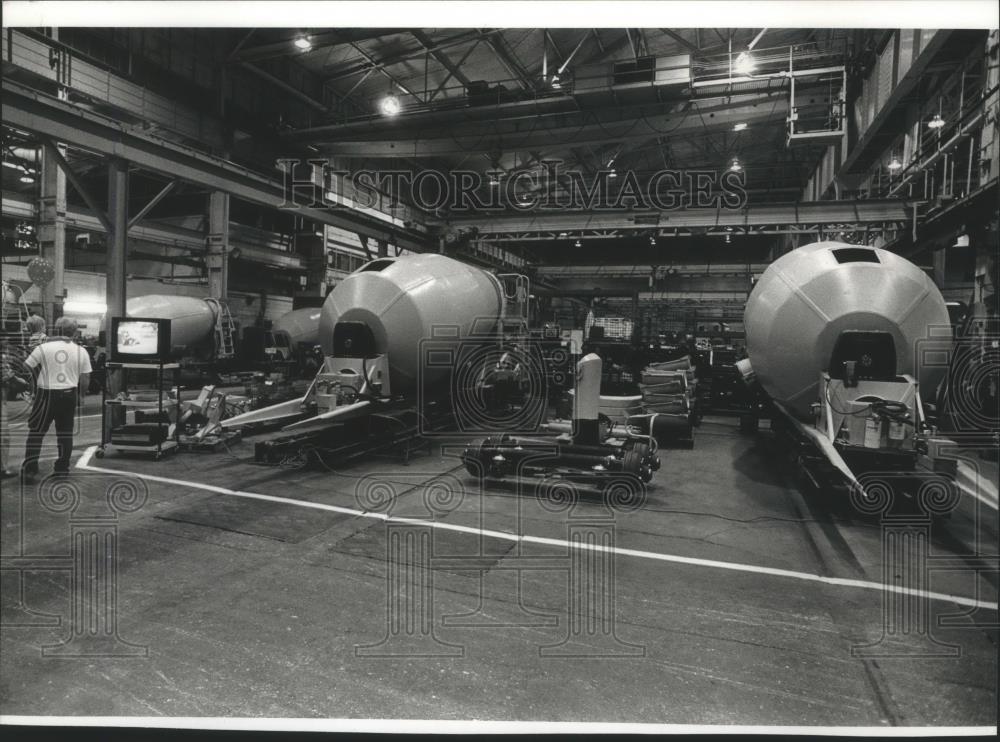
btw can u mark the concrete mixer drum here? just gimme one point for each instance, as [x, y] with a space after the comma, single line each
[809, 297]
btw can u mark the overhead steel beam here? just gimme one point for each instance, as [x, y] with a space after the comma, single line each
[164, 192]
[501, 118]
[291, 89]
[694, 49]
[513, 67]
[85, 194]
[163, 234]
[445, 81]
[570, 136]
[286, 47]
[349, 70]
[386, 74]
[806, 215]
[46, 116]
[440, 56]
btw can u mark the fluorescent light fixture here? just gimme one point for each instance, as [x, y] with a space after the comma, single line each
[577, 243]
[27, 179]
[895, 164]
[555, 82]
[84, 307]
[937, 122]
[740, 126]
[303, 43]
[390, 105]
[744, 64]
[563, 234]
[612, 174]
[735, 165]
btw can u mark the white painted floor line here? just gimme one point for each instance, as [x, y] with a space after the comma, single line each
[84, 463]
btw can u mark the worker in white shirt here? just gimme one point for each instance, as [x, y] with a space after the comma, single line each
[63, 370]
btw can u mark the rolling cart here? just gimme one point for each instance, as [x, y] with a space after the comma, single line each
[139, 439]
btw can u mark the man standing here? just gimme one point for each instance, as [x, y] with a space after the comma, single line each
[63, 367]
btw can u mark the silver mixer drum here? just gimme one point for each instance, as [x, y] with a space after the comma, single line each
[302, 325]
[408, 299]
[192, 320]
[808, 297]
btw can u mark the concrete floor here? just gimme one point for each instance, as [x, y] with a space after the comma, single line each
[715, 606]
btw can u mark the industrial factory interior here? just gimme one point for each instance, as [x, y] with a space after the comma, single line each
[475, 375]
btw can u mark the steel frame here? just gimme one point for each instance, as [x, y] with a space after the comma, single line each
[44, 115]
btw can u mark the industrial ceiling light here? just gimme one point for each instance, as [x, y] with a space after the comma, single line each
[744, 64]
[735, 166]
[27, 178]
[895, 164]
[740, 126]
[303, 43]
[577, 244]
[563, 234]
[555, 82]
[613, 174]
[937, 122]
[390, 105]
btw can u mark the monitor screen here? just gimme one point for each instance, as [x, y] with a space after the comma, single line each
[138, 338]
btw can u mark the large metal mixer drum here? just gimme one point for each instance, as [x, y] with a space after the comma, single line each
[405, 300]
[302, 325]
[192, 320]
[808, 297]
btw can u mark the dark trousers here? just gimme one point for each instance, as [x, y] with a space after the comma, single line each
[51, 405]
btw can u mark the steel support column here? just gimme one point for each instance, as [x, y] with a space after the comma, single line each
[117, 221]
[217, 241]
[52, 232]
[117, 238]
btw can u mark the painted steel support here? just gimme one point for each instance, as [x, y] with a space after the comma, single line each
[190, 241]
[818, 216]
[52, 232]
[152, 203]
[52, 149]
[60, 121]
[217, 242]
[117, 219]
